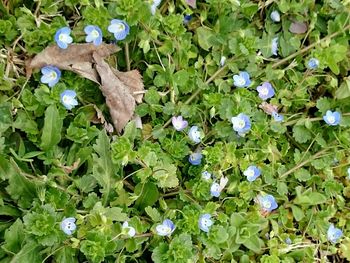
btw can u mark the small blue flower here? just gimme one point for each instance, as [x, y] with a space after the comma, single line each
[68, 225]
[68, 99]
[275, 16]
[242, 80]
[267, 202]
[63, 38]
[128, 230]
[187, 19]
[195, 135]
[179, 123]
[154, 5]
[215, 190]
[166, 228]
[119, 28]
[222, 61]
[206, 175]
[51, 75]
[313, 63]
[266, 91]
[333, 234]
[274, 46]
[205, 222]
[252, 173]
[332, 118]
[277, 117]
[195, 158]
[94, 34]
[241, 124]
[288, 241]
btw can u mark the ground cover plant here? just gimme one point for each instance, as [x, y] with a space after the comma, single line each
[232, 147]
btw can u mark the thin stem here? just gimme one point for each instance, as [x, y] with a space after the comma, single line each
[127, 57]
[316, 156]
[282, 61]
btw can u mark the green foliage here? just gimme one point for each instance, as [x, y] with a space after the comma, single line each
[57, 164]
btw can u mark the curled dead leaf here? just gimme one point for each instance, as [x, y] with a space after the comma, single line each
[119, 100]
[268, 108]
[77, 58]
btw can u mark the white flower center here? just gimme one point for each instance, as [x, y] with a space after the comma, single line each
[205, 222]
[331, 119]
[241, 124]
[266, 204]
[53, 75]
[63, 37]
[240, 81]
[120, 27]
[67, 99]
[94, 33]
[264, 91]
[249, 173]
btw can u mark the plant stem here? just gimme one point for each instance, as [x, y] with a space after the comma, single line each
[127, 57]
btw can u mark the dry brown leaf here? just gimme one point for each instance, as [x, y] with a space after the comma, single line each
[268, 108]
[76, 58]
[119, 100]
[133, 80]
[71, 168]
[101, 119]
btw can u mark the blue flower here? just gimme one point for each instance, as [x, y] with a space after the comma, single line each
[195, 158]
[51, 75]
[154, 5]
[242, 80]
[215, 190]
[274, 46]
[119, 28]
[68, 225]
[333, 234]
[128, 230]
[348, 171]
[266, 91]
[241, 124]
[187, 19]
[288, 241]
[222, 61]
[205, 222]
[206, 175]
[267, 202]
[332, 118]
[166, 228]
[195, 135]
[252, 173]
[68, 99]
[179, 123]
[277, 117]
[63, 38]
[275, 16]
[313, 63]
[94, 34]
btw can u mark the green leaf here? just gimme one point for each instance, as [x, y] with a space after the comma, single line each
[53, 123]
[5, 117]
[148, 195]
[30, 252]
[153, 213]
[204, 35]
[116, 214]
[14, 237]
[66, 255]
[166, 175]
[301, 134]
[297, 213]
[254, 243]
[103, 170]
[302, 175]
[344, 90]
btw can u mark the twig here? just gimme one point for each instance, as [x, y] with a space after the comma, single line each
[127, 57]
